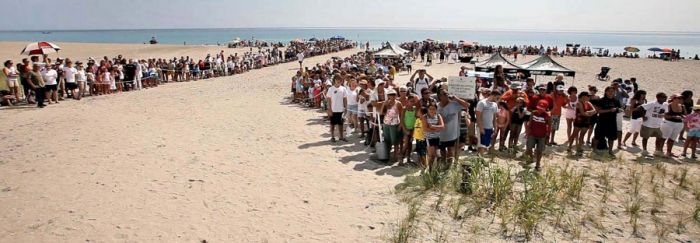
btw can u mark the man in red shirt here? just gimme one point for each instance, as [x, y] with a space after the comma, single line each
[537, 130]
[559, 99]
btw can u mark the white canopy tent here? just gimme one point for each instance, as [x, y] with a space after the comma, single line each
[390, 51]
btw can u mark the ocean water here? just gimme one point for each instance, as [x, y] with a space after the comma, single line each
[687, 42]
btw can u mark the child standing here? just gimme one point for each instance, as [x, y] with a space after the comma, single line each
[421, 144]
[502, 123]
[537, 129]
[692, 124]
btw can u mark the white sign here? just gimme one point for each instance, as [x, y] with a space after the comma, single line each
[462, 87]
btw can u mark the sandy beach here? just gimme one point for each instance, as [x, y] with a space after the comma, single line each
[228, 159]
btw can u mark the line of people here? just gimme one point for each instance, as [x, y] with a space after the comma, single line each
[441, 125]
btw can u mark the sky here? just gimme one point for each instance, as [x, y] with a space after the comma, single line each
[564, 15]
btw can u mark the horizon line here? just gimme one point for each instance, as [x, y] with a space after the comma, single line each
[382, 28]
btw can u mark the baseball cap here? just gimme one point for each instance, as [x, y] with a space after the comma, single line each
[516, 85]
[560, 88]
[542, 105]
[391, 92]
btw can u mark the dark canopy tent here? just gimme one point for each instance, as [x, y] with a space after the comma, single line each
[497, 59]
[546, 66]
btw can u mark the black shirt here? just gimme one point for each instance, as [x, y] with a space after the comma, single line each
[606, 103]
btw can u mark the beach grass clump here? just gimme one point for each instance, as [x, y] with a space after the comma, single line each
[406, 227]
[696, 213]
[634, 208]
[535, 202]
[604, 180]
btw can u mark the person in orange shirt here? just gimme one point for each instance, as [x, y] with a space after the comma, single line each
[511, 96]
[560, 100]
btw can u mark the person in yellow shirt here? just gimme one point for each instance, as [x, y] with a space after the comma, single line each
[421, 144]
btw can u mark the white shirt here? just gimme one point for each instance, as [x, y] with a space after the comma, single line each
[300, 56]
[50, 76]
[69, 73]
[352, 96]
[337, 94]
[654, 114]
[374, 96]
[80, 76]
[421, 83]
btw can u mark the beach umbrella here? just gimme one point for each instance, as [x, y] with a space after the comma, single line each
[429, 40]
[337, 37]
[631, 49]
[666, 50]
[40, 48]
[654, 49]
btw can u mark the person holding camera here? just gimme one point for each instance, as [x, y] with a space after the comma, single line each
[449, 107]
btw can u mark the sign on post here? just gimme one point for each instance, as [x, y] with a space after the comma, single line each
[462, 87]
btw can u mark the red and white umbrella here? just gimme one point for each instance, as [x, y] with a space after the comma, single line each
[40, 48]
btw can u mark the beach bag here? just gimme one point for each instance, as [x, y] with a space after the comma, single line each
[380, 147]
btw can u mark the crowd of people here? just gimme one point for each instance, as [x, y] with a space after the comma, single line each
[422, 116]
[39, 78]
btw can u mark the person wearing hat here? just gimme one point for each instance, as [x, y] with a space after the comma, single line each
[391, 124]
[362, 102]
[377, 98]
[538, 128]
[672, 125]
[692, 124]
[511, 96]
[336, 97]
[560, 99]
[81, 80]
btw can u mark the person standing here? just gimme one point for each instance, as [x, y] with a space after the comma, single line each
[606, 131]
[486, 111]
[450, 107]
[423, 81]
[651, 125]
[638, 99]
[12, 78]
[69, 73]
[672, 124]
[560, 100]
[537, 130]
[37, 84]
[81, 78]
[337, 105]
[50, 77]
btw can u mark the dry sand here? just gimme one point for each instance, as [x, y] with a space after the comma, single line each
[222, 160]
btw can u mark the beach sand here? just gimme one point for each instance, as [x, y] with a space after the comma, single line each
[222, 160]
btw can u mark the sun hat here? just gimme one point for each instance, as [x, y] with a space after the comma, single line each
[403, 88]
[561, 88]
[542, 105]
[363, 81]
[516, 85]
[696, 107]
[379, 81]
[391, 92]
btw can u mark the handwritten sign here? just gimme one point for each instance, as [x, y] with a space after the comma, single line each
[462, 87]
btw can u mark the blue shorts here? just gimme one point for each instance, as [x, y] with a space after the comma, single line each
[421, 147]
[485, 138]
[694, 134]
